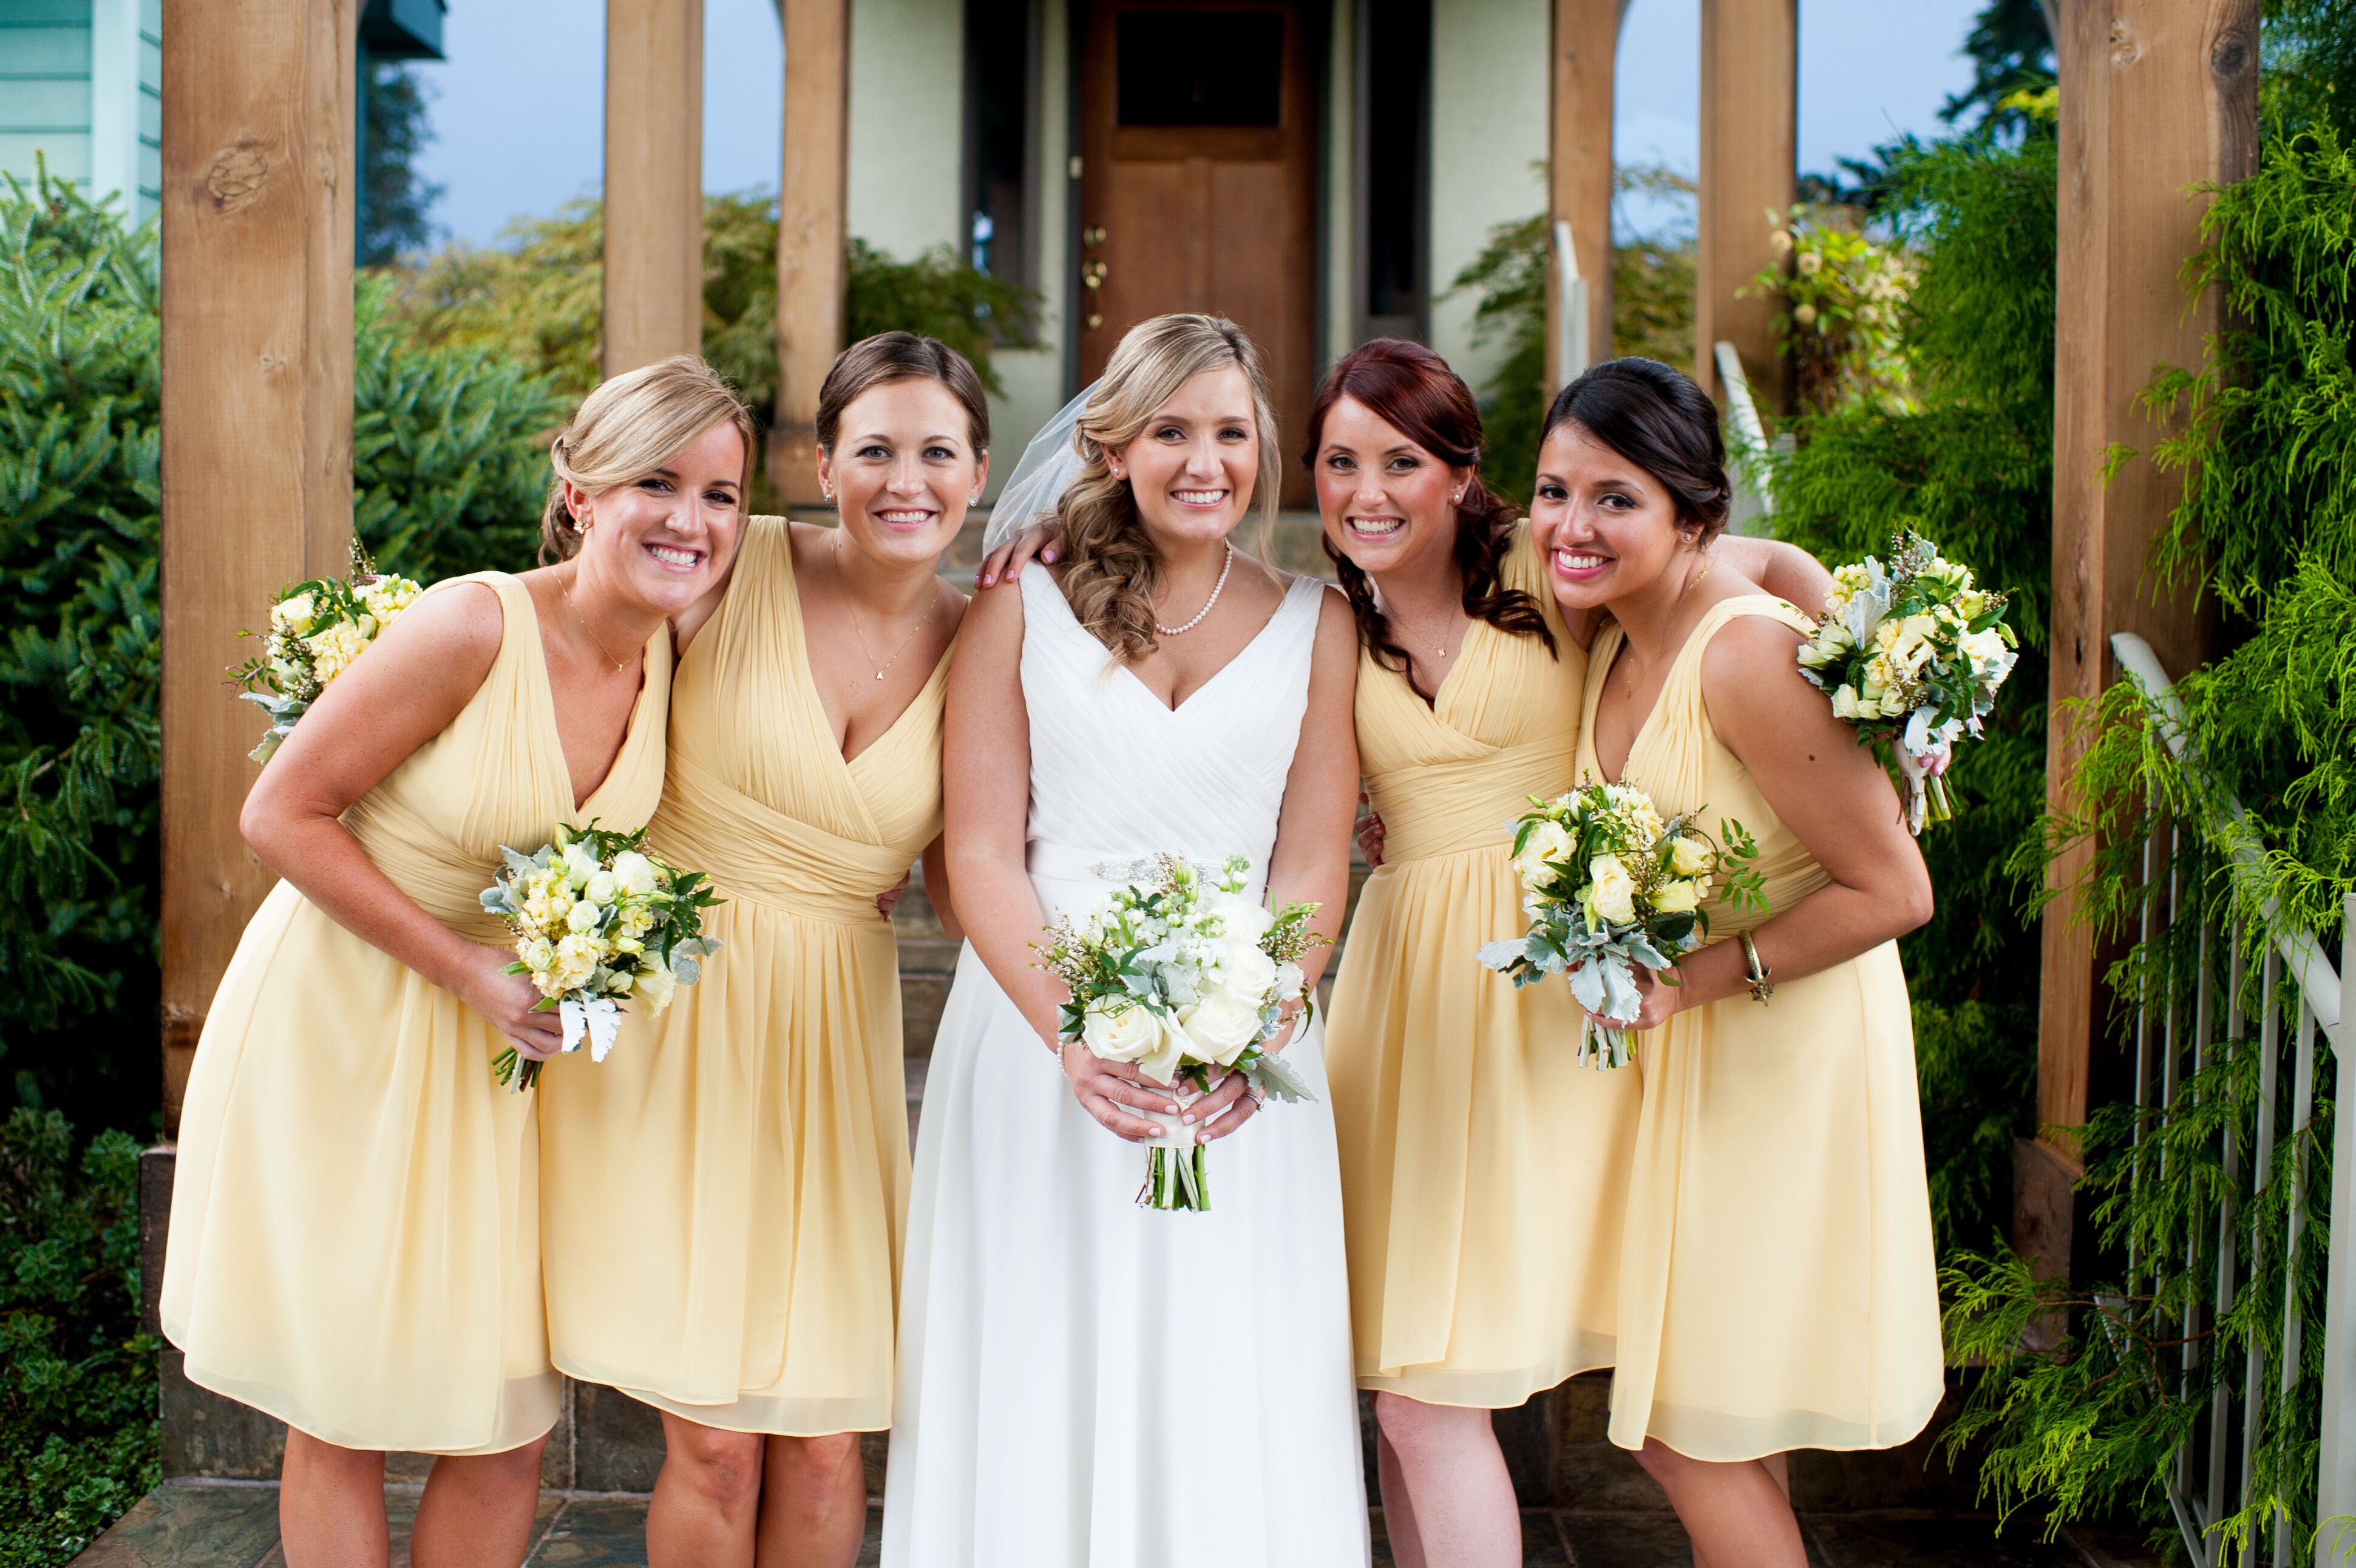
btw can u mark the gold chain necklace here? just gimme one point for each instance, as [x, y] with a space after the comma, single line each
[852, 609]
[564, 589]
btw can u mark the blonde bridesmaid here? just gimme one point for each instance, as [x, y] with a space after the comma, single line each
[355, 1237]
[1776, 1286]
[1483, 1174]
[725, 1196]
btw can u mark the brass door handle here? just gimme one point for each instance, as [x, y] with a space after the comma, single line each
[1094, 234]
[1093, 273]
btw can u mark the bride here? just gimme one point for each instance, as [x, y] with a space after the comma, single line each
[1082, 1380]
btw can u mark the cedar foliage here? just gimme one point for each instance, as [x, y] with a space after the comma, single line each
[447, 477]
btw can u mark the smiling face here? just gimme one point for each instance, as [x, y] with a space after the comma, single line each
[664, 539]
[1387, 504]
[1608, 528]
[904, 470]
[1191, 467]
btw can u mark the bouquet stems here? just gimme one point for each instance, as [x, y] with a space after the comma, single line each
[1176, 1178]
[510, 1068]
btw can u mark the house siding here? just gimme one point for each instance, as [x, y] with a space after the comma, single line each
[1488, 150]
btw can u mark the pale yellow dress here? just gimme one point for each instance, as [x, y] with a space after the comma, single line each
[1482, 1172]
[724, 1196]
[1777, 1284]
[355, 1239]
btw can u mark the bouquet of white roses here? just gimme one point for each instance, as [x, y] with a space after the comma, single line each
[1912, 654]
[1180, 973]
[317, 629]
[598, 921]
[1608, 884]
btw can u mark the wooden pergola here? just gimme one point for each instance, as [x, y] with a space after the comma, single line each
[2156, 96]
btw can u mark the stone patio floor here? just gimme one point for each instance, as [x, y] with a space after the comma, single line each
[212, 1524]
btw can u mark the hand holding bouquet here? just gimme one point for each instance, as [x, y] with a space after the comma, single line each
[598, 921]
[1180, 973]
[1607, 885]
[317, 629]
[1912, 654]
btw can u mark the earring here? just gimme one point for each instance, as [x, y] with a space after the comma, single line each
[825, 490]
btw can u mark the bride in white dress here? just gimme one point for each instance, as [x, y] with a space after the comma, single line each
[1084, 1383]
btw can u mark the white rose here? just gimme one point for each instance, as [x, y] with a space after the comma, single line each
[1845, 702]
[600, 887]
[1246, 972]
[580, 865]
[296, 614]
[1672, 897]
[654, 987]
[1611, 894]
[582, 917]
[1289, 981]
[634, 872]
[1238, 916]
[1548, 842]
[1120, 1032]
[1689, 856]
[538, 954]
[1220, 1027]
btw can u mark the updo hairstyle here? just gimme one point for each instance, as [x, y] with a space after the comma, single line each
[1659, 420]
[891, 356]
[1412, 389]
[630, 426]
[1112, 568]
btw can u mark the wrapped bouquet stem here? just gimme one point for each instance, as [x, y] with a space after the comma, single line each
[598, 923]
[1913, 654]
[1610, 887]
[1179, 973]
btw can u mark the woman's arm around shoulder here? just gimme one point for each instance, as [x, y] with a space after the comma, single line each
[1310, 862]
[1787, 570]
[399, 694]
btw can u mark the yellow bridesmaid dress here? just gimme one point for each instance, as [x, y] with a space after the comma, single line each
[355, 1239]
[724, 1196]
[1777, 1284]
[1483, 1171]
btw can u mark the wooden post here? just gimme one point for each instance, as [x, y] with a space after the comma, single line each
[1750, 150]
[654, 181]
[257, 425]
[2156, 96]
[1579, 165]
[813, 238]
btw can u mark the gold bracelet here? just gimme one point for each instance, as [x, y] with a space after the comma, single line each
[1757, 975]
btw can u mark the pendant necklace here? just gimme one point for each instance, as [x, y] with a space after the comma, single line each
[565, 589]
[922, 621]
[1224, 567]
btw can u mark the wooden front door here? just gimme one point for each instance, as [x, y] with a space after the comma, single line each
[1198, 183]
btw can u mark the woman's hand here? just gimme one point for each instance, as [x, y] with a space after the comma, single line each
[889, 899]
[506, 1001]
[1110, 1091]
[1368, 831]
[1228, 1106]
[1659, 1000]
[1006, 562]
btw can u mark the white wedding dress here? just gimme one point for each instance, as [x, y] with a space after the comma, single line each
[1084, 1383]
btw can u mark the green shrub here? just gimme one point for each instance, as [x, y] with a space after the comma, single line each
[447, 477]
[78, 1426]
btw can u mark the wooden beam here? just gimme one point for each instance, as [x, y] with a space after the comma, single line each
[813, 236]
[1750, 150]
[1579, 164]
[257, 425]
[654, 181]
[2157, 97]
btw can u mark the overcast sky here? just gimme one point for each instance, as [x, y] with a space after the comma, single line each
[527, 78]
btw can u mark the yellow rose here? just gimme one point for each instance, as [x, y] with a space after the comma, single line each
[1672, 896]
[1612, 892]
[1690, 856]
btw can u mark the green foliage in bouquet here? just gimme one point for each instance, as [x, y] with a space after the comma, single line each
[1969, 463]
[447, 479]
[79, 1439]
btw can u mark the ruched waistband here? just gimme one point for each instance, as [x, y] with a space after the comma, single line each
[1447, 807]
[420, 863]
[763, 856]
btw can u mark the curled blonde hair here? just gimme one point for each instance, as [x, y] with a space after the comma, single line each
[1113, 568]
[630, 426]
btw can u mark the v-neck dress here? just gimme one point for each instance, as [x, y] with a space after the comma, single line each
[1776, 1282]
[354, 1240]
[724, 1195]
[1483, 1171]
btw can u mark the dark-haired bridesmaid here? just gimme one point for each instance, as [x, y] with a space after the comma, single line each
[1483, 1174]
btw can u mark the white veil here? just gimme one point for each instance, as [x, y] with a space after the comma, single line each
[1049, 465]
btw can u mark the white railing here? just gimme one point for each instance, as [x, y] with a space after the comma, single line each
[1746, 445]
[2297, 997]
[1573, 352]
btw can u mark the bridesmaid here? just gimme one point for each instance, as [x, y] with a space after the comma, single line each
[1776, 1287]
[355, 1238]
[1483, 1174]
[724, 1196]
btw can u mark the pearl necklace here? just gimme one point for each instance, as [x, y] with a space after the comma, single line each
[1224, 567]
